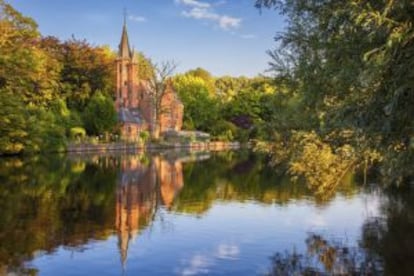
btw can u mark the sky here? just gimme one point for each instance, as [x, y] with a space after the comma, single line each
[225, 37]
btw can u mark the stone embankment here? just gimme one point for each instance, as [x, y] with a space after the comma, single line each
[192, 147]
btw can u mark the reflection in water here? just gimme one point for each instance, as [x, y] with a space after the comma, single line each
[326, 257]
[51, 202]
[392, 234]
[140, 187]
[386, 245]
[68, 203]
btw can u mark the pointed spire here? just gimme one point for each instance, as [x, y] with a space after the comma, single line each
[124, 49]
[123, 242]
[134, 56]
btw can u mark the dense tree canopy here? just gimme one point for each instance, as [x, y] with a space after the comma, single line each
[348, 63]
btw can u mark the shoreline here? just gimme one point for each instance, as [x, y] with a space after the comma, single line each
[128, 147]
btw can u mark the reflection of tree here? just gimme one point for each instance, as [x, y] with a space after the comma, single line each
[46, 203]
[326, 257]
[386, 245]
[239, 176]
[55, 201]
[391, 235]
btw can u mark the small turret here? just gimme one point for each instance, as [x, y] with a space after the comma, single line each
[134, 56]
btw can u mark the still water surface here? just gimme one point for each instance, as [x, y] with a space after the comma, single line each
[205, 214]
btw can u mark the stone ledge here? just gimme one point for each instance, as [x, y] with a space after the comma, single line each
[192, 146]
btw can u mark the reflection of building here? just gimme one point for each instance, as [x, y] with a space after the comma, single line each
[140, 189]
[171, 180]
[135, 100]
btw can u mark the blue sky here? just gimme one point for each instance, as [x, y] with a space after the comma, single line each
[226, 37]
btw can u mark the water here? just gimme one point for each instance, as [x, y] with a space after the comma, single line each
[204, 214]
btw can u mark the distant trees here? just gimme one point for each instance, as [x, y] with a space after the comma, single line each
[235, 110]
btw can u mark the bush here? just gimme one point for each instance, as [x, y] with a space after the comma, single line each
[77, 133]
[224, 130]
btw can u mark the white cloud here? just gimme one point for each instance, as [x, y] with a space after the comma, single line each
[194, 3]
[316, 220]
[227, 251]
[227, 22]
[197, 265]
[203, 11]
[137, 18]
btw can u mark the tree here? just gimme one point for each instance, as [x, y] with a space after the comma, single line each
[146, 68]
[351, 64]
[159, 84]
[100, 115]
[201, 108]
[207, 77]
[25, 68]
[86, 69]
[13, 120]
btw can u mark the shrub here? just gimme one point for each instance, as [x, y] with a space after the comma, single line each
[77, 133]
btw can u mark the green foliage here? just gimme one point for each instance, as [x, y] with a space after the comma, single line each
[86, 69]
[224, 130]
[25, 68]
[322, 166]
[100, 115]
[237, 111]
[206, 77]
[28, 128]
[200, 108]
[13, 124]
[77, 133]
[349, 66]
[45, 84]
[146, 69]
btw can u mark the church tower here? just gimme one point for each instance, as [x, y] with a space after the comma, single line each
[134, 97]
[127, 82]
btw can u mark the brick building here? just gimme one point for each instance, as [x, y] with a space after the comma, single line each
[134, 100]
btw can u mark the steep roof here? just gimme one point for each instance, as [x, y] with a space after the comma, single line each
[130, 115]
[124, 49]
